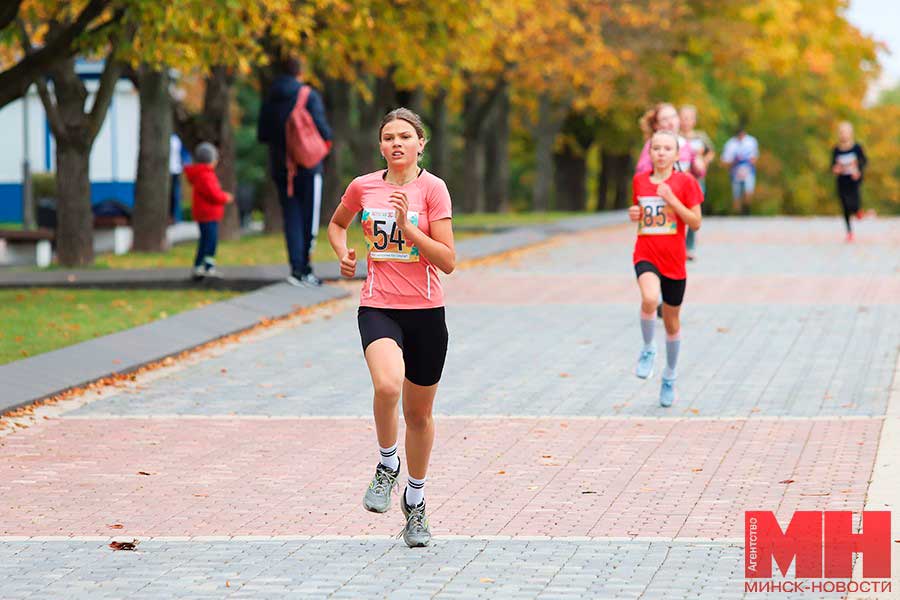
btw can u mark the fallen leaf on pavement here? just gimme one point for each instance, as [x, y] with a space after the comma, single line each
[144, 473]
[787, 481]
[116, 526]
[130, 546]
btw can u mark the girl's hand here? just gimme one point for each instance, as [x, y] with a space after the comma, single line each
[401, 206]
[856, 175]
[634, 212]
[665, 192]
[348, 263]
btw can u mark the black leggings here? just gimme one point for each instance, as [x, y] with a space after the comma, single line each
[672, 289]
[421, 334]
[848, 191]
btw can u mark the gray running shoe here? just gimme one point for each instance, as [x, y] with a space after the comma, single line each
[645, 364]
[378, 494]
[417, 533]
[667, 394]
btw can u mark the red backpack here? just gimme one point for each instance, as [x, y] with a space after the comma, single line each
[304, 143]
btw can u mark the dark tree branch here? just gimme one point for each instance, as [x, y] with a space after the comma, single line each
[8, 12]
[14, 82]
[57, 125]
[111, 71]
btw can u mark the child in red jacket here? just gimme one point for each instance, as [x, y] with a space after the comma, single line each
[208, 208]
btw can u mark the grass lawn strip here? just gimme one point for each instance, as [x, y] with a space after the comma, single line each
[39, 320]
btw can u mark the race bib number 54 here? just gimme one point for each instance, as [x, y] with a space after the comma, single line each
[384, 239]
[656, 217]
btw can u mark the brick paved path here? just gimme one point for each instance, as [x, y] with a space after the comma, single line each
[555, 472]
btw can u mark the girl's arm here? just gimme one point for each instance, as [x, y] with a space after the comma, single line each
[337, 237]
[439, 247]
[692, 217]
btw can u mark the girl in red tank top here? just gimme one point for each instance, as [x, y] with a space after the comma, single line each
[664, 202]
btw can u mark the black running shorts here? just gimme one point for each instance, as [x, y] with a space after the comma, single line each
[672, 289]
[420, 332]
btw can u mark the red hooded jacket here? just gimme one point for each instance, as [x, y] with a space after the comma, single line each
[208, 198]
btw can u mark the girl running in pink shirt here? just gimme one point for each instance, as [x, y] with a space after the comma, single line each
[406, 219]
[664, 117]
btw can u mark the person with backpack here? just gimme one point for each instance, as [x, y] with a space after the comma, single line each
[293, 124]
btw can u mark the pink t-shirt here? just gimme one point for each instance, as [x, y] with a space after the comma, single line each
[398, 276]
[686, 155]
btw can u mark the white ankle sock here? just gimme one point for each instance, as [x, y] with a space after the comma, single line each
[415, 491]
[389, 457]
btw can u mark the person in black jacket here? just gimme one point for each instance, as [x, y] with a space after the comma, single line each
[301, 210]
[848, 162]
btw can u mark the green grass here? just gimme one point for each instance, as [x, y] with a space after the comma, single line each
[7, 225]
[40, 320]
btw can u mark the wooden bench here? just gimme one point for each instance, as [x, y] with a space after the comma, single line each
[26, 247]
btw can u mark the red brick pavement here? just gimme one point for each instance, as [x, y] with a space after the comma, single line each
[492, 476]
[479, 287]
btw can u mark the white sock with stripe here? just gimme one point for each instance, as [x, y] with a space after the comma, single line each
[415, 491]
[389, 458]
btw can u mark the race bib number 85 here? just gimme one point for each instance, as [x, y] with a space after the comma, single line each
[384, 239]
[656, 217]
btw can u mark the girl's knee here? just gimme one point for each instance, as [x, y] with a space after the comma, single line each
[417, 420]
[387, 388]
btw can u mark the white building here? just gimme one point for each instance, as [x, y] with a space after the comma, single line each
[113, 158]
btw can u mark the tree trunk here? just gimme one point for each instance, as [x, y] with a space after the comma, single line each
[476, 109]
[414, 100]
[273, 219]
[439, 144]
[75, 132]
[153, 184]
[545, 138]
[623, 169]
[497, 177]
[570, 176]
[364, 142]
[473, 174]
[337, 101]
[217, 113]
[603, 181]
[74, 218]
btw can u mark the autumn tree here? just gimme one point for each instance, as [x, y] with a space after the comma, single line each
[74, 123]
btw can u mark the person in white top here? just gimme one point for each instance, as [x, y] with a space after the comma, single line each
[175, 169]
[740, 154]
